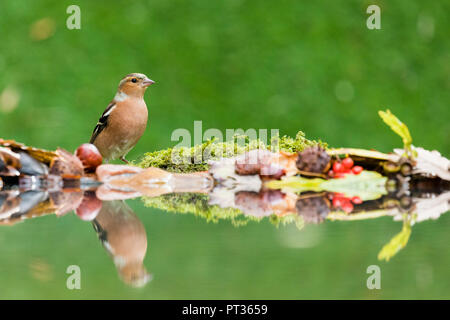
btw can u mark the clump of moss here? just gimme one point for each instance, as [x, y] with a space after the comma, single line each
[197, 204]
[299, 143]
[287, 219]
[196, 158]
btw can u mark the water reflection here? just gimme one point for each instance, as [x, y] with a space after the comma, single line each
[120, 231]
[124, 238]
[281, 187]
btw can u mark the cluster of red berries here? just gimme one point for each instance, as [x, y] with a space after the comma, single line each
[346, 166]
[339, 200]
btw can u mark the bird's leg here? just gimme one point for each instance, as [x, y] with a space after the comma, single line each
[124, 160]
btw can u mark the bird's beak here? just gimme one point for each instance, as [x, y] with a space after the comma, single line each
[147, 82]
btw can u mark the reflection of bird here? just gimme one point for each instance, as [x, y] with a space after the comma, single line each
[123, 236]
[124, 121]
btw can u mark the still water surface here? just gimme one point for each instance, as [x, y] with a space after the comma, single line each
[135, 252]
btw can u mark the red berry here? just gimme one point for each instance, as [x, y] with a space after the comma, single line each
[357, 169]
[347, 163]
[331, 173]
[337, 202]
[356, 200]
[338, 167]
[347, 206]
[339, 175]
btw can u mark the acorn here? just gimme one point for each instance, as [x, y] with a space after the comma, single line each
[313, 159]
[89, 156]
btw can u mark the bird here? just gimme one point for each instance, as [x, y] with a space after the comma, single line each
[124, 120]
[123, 236]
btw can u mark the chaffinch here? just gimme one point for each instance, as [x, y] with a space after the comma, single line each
[124, 237]
[124, 121]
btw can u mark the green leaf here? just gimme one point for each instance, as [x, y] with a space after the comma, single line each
[398, 127]
[397, 243]
[297, 184]
[368, 185]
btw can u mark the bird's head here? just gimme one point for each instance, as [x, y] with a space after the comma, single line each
[135, 84]
[135, 274]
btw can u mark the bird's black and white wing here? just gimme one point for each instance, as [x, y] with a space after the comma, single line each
[102, 122]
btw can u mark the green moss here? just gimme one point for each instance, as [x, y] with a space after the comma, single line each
[287, 219]
[195, 158]
[298, 143]
[197, 204]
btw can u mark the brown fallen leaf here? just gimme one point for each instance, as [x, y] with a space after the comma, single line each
[66, 165]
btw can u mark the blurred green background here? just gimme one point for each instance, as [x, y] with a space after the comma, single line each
[291, 65]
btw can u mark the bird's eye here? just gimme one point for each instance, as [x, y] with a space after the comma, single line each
[134, 80]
